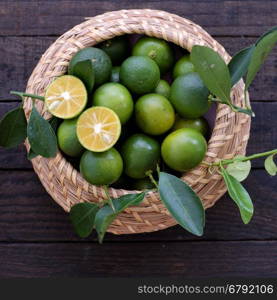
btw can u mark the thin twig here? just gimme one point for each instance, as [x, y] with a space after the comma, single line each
[242, 159]
[109, 200]
[20, 94]
[149, 174]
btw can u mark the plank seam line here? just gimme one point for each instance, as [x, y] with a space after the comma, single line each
[139, 242]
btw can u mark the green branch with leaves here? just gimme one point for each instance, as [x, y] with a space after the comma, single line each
[220, 77]
[41, 133]
[237, 170]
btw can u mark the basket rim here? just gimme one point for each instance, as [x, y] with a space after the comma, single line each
[59, 163]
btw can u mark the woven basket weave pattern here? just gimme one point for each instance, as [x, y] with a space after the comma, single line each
[229, 137]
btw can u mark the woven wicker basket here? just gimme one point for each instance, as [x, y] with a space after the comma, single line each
[229, 136]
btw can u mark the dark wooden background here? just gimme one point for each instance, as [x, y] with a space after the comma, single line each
[36, 239]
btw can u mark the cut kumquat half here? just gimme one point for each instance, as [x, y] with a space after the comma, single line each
[98, 128]
[66, 97]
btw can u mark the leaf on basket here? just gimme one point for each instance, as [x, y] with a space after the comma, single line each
[54, 122]
[106, 214]
[240, 196]
[84, 71]
[13, 128]
[213, 71]
[263, 47]
[239, 64]
[41, 135]
[239, 169]
[270, 165]
[82, 216]
[31, 154]
[182, 202]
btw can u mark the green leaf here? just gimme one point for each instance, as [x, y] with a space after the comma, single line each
[41, 135]
[84, 71]
[106, 215]
[13, 128]
[270, 165]
[266, 33]
[31, 154]
[82, 216]
[240, 196]
[263, 47]
[239, 64]
[182, 202]
[54, 122]
[239, 169]
[213, 71]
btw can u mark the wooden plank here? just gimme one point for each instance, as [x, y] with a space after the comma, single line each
[27, 213]
[15, 158]
[21, 54]
[190, 259]
[263, 137]
[218, 17]
[263, 134]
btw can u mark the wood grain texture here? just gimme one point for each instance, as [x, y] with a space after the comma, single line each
[27, 213]
[36, 238]
[191, 259]
[55, 17]
[19, 56]
[263, 137]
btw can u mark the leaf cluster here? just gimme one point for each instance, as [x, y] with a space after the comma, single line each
[220, 77]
